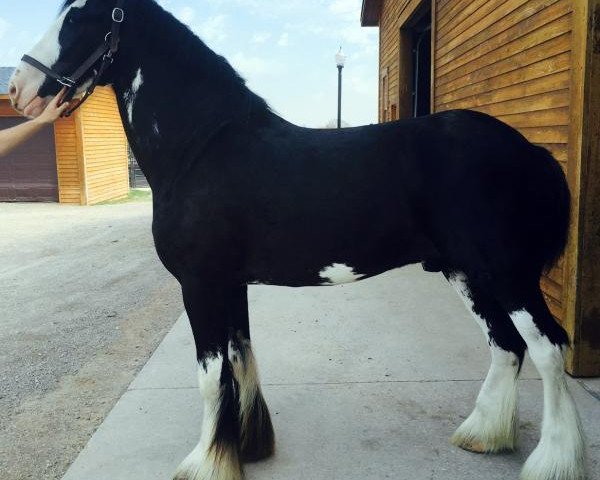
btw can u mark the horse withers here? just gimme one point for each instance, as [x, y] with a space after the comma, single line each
[243, 197]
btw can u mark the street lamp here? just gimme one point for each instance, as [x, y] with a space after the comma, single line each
[340, 60]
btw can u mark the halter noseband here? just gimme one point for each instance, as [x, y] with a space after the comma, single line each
[106, 51]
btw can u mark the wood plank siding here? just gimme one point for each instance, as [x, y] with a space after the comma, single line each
[534, 64]
[5, 109]
[91, 151]
[104, 148]
[583, 254]
[508, 58]
[511, 59]
[68, 162]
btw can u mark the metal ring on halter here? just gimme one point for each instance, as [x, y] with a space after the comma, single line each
[118, 15]
[105, 52]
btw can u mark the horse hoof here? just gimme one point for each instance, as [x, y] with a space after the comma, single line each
[212, 465]
[480, 434]
[473, 446]
[557, 463]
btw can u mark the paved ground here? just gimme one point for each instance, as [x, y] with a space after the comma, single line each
[365, 381]
[84, 303]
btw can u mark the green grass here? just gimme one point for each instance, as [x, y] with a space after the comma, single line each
[135, 195]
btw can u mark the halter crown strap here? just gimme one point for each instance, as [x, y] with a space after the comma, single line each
[106, 51]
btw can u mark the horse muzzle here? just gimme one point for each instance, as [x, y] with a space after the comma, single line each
[23, 91]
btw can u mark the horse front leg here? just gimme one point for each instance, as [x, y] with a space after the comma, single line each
[217, 455]
[257, 439]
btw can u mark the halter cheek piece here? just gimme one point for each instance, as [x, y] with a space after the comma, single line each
[106, 51]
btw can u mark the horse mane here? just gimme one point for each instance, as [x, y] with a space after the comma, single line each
[65, 4]
[191, 53]
[162, 30]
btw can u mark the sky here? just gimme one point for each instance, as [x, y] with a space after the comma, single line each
[285, 49]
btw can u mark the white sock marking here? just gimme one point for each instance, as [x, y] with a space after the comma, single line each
[493, 424]
[203, 463]
[560, 453]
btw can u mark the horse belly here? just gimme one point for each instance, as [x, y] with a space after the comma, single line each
[331, 262]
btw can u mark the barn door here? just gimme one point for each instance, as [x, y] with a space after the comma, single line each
[414, 82]
[29, 173]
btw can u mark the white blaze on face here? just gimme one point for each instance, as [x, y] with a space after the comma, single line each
[28, 79]
[339, 273]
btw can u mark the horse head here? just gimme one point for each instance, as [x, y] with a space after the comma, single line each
[80, 28]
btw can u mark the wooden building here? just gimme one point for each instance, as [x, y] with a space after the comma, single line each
[535, 64]
[82, 160]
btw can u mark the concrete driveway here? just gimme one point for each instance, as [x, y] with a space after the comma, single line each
[364, 381]
[84, 303]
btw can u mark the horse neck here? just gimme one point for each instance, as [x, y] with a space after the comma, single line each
[169, 105]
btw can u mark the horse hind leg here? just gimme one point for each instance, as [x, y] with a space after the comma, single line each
[560, 453]
[493, 424]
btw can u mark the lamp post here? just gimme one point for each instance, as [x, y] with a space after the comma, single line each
[340, 60]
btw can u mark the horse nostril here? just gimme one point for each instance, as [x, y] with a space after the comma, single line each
[12, 91]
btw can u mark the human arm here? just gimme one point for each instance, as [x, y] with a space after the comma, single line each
[11, 138]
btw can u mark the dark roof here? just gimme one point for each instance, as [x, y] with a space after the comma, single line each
[5, 74]
[371, 10]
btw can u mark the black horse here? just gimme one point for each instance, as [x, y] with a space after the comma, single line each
[243, 197]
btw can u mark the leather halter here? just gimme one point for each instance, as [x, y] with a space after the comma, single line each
[106, 51]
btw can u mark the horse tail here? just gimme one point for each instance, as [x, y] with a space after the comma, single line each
[549, 227]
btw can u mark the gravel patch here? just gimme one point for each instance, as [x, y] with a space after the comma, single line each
[84, 303]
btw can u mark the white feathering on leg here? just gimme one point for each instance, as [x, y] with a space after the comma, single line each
[207, 462]
[560, 454]
[493, 426]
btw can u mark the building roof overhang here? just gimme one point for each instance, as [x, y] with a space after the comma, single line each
[371, 11]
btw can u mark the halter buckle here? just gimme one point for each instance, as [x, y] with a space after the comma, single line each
[118, 15]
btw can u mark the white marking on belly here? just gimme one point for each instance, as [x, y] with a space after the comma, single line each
[339, 273]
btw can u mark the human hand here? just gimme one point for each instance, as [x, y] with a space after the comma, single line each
[54, 110]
